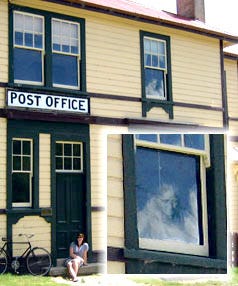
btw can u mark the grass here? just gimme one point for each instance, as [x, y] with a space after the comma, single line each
[26, 280]
[146, 280]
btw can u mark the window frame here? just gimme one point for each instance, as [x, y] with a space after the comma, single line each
[72, 157]
[173, 246]
[24, 47]
[48, 52]
[77, 56]
[150, 102]
[30, 172]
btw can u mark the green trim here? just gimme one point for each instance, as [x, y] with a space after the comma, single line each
[131, 232]
[147, 103]
[216, 207]
[47, 61]
[216, 199]
[173, 258]
[75, 132]
[22, 130]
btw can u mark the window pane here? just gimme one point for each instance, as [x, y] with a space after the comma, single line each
[59, 149]
[154, 47]
[162, 63]
[16, 163]
[28, 25]
[67, 150]
[65, 70]
[77, 164]
[59, 163]
[167, 190]
[173, 139]
[26, 147]
[161, 48]
[20, 188]
[147, 45]
[67, 164]
[147, 137]
[77, 149]
[38, 41]
[28, 40]
[16, 147]
[19, 38]
[154, 83]
[194, 141]
[27, 65]
[155, 61]
[18, 21]
[26, 163]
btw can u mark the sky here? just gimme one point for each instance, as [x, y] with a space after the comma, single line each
[222, 14]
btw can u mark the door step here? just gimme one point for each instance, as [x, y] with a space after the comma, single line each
[91, 268]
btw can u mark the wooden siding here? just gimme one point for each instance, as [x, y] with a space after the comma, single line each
[3, 162]
[113, 64]
[3, 226]
[232, 187]
[115, 267]
[32, 225]
[115, 203]
[44, 171]
[231, 68]
[98, 185]
[4, 42]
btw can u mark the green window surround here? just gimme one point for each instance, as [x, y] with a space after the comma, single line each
[156, 72]
[45, 48]
[212, 178]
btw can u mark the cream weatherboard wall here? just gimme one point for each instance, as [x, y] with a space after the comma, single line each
[115, 199]
[44, 171]
[4, 45]
[113, 66]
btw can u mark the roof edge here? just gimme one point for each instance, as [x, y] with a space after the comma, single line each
[146, 18]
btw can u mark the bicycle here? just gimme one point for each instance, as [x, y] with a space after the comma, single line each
[37, 260]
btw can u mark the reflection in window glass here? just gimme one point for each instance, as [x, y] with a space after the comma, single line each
[147, 137]
[21, 187]
[154, 83]
[168, 196]
[194, 141]
[172, 139]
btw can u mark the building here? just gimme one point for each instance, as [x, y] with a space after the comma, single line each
[73, 71]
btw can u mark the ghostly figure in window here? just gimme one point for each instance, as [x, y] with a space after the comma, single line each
[155, 87]
[163, 218]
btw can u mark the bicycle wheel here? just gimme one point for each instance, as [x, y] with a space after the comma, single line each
[3, 261]
[38, 261]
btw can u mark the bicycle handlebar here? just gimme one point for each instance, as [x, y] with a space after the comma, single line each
[26, 235]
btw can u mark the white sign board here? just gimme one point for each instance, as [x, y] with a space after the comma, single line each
[46, 101]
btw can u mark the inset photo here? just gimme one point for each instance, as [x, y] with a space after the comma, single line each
[167, 203]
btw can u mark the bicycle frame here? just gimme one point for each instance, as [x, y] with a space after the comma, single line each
[14, 261]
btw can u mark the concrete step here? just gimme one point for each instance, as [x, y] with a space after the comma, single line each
[91, 268]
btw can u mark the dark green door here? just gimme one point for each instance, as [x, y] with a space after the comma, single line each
[70, 195]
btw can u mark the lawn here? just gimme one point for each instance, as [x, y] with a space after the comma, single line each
[145, 280]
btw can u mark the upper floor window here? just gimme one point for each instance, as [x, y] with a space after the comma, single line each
[156, 72]
[155, 68]
[28, 48]
[47, 50]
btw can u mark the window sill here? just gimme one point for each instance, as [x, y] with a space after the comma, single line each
[174, 258]
[149, 103]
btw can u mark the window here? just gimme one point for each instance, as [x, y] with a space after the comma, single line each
[47, 50]
[28, 48]
[22, 172]
[156, 72]
[69, 157]
[171, 192]
[155, 67]
[65, 49]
